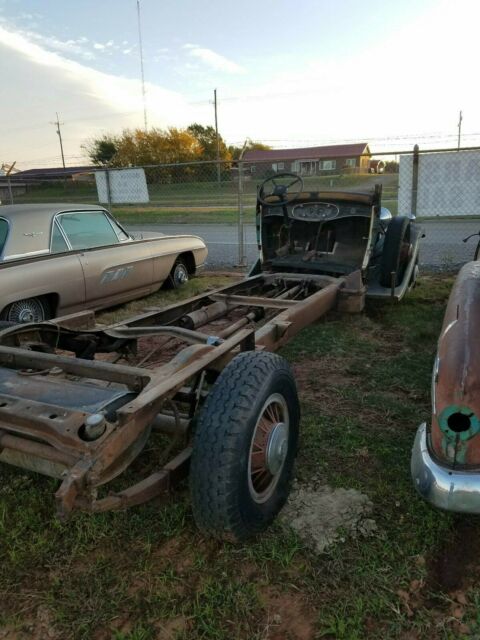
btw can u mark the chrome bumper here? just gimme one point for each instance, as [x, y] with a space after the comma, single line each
[443, 487]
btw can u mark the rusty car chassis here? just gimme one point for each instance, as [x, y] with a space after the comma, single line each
[79, 400]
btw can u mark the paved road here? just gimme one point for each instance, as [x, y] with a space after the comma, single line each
[221, 239]
[442, 245]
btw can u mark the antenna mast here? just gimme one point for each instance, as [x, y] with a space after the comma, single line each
[141, 65]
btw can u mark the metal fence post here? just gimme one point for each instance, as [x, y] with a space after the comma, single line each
[416, 158]
[241, 242]
[10, 192]
[109, 193]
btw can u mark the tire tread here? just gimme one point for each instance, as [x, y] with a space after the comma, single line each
[219, 426]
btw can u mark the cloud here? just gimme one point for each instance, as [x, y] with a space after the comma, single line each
[70, 47]
[99, 46]
[213, 59]
[119, 93]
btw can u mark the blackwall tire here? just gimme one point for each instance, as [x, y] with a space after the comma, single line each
[244, 447]
[396, 248]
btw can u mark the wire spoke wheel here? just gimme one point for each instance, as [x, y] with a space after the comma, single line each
[269, 448]
[29, 310]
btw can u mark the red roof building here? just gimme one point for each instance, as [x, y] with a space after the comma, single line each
[330, 159]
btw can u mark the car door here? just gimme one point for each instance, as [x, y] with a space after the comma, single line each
[116, 269]
[64, 271]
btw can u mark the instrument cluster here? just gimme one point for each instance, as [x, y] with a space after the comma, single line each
[314, 211]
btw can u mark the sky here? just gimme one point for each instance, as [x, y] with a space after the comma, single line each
[291, 74]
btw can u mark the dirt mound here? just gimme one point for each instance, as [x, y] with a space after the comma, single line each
[321, 515]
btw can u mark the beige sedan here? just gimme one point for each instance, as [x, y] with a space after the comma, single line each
[58, 259]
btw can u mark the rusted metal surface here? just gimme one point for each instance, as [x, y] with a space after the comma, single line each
[74, 405]
[206, 314]
[132, 377]
[288, 323]
[455, 428]
[147, 489]
[38, 421]
[254, 301]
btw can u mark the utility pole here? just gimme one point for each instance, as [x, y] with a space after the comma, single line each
[8, 170]
[57, 123]
[460, 118]
[216, 134]
[141, 65]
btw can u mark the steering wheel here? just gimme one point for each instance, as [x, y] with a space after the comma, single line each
[279, 189]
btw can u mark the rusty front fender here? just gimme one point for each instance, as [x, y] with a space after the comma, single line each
[455, 429]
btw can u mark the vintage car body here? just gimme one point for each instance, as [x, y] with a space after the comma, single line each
[445, 461]
[57, 259]
[336, 233]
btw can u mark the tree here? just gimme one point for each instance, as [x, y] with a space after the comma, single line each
[139, 147]
[207, 138]
[156, 146]
[391, 166]
[249, 146]
[101, 151]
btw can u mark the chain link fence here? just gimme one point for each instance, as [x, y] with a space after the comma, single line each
[217, 200]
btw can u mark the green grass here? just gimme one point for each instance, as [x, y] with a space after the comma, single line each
[147, 573]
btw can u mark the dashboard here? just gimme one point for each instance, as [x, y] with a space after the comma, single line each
[316, 211]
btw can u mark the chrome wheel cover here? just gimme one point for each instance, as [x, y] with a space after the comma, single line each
[24, 311]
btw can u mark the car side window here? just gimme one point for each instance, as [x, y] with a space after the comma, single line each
[122, 236]
[58, 241]
[88, 229]
[3, 234]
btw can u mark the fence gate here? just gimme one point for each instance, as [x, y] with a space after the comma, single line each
[443, 190]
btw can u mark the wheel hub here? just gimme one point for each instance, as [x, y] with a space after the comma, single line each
[277, 447]
[26, 315]
[269, 448]
[181, 275]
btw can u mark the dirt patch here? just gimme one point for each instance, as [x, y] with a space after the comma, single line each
[456, 565]
[308, 372]
[39, 628]
[321, 515]
[171, 629]
[289, 616]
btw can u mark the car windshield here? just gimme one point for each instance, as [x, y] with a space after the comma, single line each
[88, 229]
[3, 234]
